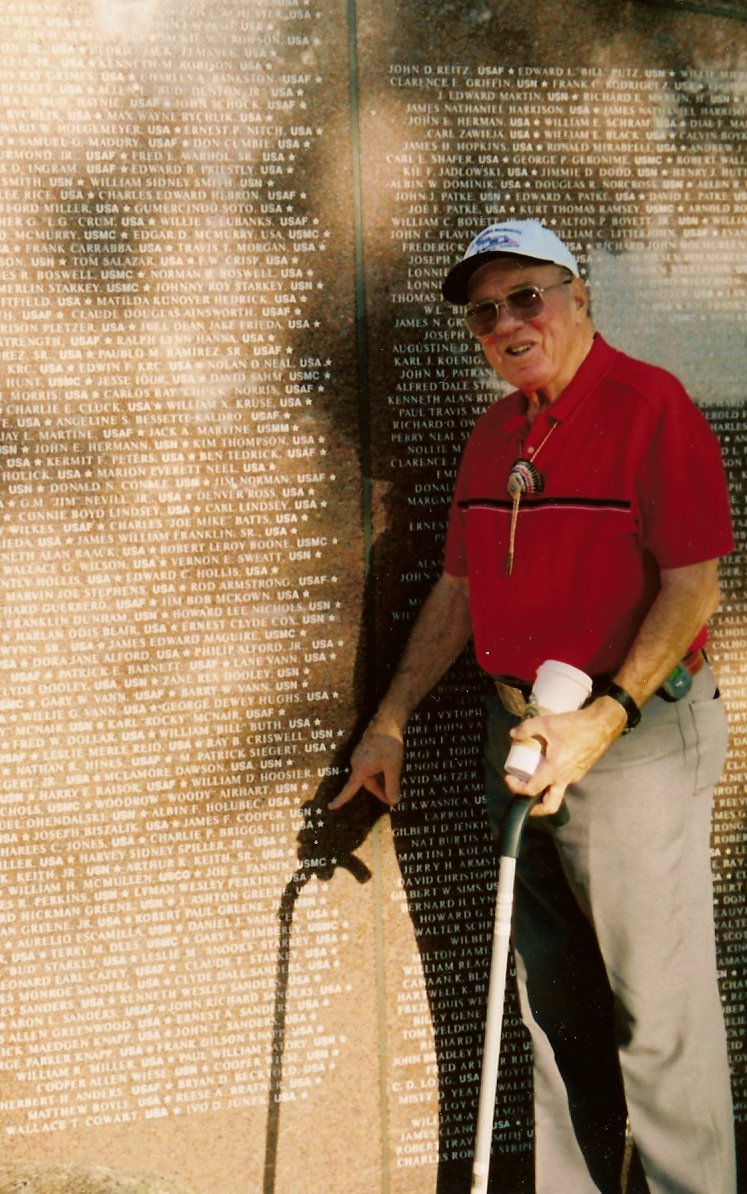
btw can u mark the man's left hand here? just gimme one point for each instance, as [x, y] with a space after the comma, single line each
[574, 742]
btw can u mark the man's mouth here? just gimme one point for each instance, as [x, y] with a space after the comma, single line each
[518, 350]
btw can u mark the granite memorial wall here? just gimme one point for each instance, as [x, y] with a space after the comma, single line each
[233, 404]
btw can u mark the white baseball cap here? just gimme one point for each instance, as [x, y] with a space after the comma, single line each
[516, 238]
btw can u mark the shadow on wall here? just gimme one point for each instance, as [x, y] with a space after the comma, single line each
[448, 874]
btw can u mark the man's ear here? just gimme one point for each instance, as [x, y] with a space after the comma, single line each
[580, 296]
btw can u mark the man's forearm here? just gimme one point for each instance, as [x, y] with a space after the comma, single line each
[687, 599]
[442, 629]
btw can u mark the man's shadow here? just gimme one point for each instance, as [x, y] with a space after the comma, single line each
[448, 867]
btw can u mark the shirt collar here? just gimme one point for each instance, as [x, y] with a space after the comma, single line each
[591, 371]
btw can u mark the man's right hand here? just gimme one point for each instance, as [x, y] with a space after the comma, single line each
[376, 765]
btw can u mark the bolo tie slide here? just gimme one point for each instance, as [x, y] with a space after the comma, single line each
[523, 478]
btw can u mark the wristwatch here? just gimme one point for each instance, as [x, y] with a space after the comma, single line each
[632, 712]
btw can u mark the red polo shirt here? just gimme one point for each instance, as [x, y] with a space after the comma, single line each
[633, 483]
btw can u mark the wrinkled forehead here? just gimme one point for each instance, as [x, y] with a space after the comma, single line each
[504, 273]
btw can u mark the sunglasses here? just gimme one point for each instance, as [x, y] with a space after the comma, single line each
[525, 303]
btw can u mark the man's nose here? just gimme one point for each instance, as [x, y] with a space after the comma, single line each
[504, 319]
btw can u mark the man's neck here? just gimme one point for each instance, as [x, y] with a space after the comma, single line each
[535, 403]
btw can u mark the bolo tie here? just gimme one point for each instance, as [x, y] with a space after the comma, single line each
[524, 477]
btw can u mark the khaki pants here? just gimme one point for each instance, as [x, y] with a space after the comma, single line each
[616, 960]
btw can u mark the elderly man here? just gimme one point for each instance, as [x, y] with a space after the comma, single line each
[589, 514]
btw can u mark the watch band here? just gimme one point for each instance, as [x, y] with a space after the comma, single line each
[632, 712]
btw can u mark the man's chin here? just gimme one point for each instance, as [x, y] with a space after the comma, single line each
[526, 377]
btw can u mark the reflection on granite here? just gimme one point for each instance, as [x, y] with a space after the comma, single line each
[220, 404]
[71, 1179]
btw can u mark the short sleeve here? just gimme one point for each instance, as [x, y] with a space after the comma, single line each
[683, 496]
[455, 552]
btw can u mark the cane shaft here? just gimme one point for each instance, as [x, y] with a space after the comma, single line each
[492, 1044]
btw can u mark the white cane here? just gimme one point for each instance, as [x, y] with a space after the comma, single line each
[511, 832]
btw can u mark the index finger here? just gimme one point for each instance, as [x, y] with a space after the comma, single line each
[355, 783]
[346, 793]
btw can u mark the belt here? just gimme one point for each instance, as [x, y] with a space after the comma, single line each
[514, 693]
[695, 661]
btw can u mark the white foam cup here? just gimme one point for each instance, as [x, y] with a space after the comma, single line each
[558, 688]
[523, 759]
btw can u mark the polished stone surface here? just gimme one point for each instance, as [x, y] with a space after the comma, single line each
[233, 408]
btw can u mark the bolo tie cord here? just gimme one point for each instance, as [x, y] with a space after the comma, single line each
[523, 478]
